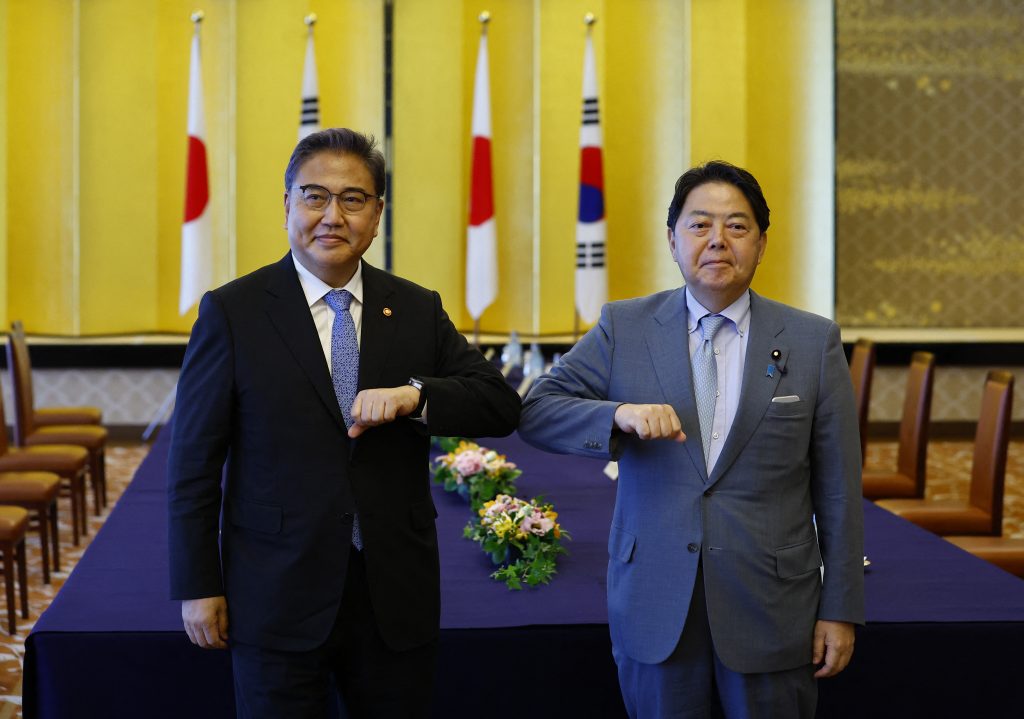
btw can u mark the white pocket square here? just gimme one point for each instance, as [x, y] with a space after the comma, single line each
[786, 399]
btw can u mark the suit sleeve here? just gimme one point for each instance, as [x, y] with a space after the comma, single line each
[567, 410]
[467, 395]
[199, 445]
[836, 488]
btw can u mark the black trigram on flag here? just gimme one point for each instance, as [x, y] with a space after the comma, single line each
[309, 119]
[590, 116]
[589, 255]
[310, 111]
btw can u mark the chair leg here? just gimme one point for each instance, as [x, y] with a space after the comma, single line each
[44, 540]
[83, 510]
[55, 534]
[103, 476]
[8, 549]
[23, 578]
[96, 479]
[75, 514]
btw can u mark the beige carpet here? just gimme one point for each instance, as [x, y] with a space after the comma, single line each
[948, 474]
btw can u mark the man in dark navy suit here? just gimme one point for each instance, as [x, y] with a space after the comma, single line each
[312, 386]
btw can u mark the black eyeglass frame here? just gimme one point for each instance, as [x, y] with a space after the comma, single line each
[339, 195]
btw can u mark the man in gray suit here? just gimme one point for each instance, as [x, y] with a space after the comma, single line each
[732, 419]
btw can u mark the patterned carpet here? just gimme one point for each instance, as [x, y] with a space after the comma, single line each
[948, 476]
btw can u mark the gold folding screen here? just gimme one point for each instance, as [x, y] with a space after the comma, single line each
[93, 141]
[930, 101]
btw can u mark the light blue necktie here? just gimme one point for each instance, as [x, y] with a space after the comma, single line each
[345, 368]
[705, 378]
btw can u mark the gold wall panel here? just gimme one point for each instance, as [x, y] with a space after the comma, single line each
[930, 123]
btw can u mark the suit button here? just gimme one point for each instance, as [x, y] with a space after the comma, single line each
[708, 493]
[692, 548]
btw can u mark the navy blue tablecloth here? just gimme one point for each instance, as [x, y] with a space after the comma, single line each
[112, 640]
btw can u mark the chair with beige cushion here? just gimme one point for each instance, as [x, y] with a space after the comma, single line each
[13, 523]
[909, 478]
[37, 492]
[24, 397]
[91, 437]
[862, 368]
[982, 513]
[68, 462]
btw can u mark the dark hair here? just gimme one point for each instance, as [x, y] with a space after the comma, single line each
[719, 171]
[342, 141]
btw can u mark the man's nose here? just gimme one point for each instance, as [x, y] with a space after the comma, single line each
[716, 238]
[332, 213]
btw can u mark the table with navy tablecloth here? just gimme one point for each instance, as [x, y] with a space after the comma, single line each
[942, 639]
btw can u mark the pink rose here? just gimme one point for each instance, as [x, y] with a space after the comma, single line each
[469, 462]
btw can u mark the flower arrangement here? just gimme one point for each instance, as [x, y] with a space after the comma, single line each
[522, 537]
[476, 473]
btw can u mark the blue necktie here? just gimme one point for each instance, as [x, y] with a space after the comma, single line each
[345, 368]
[705, 378]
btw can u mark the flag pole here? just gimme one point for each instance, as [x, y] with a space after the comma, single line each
[588, 20]
[197, 17]
[481, 240]
[309, 106]
[484, 18]
[591, 230]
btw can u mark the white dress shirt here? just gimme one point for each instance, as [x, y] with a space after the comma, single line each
[323, 316]
[730, 348]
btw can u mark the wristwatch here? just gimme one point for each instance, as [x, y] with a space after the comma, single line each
[418, 384]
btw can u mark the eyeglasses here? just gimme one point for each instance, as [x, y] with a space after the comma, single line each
[351, 202]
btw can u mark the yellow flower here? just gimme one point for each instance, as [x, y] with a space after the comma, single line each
[502, 526]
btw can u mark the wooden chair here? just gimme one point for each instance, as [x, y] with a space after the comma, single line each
[982, 513]
[93, 438]
[909, 478]
[36, 492]
[862, 368]
[24, 398]
[68, 462]
[1004, 552]
[13, 523]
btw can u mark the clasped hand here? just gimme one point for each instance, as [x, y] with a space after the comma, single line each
[373, 407]
[649, 421]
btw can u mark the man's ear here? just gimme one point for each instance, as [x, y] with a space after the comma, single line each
[287, 207]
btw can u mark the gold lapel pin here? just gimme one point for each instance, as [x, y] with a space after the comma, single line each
[387, 311]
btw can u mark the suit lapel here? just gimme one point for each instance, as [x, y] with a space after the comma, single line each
[286, 306]
[381, 315]
[758, 387]
[668, 344]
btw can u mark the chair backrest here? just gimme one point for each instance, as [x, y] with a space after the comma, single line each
[988, 472]
[20, 367]
[862, 367]
[4, 444]
[912, 458]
